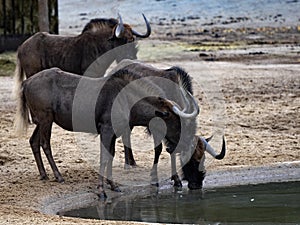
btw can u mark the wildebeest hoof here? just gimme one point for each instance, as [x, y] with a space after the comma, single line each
[178, 188]
[102, 196]
[177, 181]
[194, 186]
[132, 163]
[155, 184]
[116, 189]
[177, 184]
[113, 186]
[60, 180]
[44, 177]
[129, 166]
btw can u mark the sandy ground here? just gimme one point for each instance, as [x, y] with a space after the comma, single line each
[251, 94]
[256, 107]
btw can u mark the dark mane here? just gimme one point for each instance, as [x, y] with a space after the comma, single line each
[143, 85]
[125, 75]
[185, 78]
[100, 24]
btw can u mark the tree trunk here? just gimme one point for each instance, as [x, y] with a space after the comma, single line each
[4, 17]
[43, 15]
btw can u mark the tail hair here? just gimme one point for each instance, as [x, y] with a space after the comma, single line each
[18, 78]
[22, 115]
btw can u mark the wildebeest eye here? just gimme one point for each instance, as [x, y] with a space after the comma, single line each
[162, 114]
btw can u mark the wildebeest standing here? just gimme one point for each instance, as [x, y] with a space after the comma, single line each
[50, 97]
[75, 53]
[177, 77]
[159, 76]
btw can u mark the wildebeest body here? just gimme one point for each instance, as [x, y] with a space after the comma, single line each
[76, 53]
[72, 54]
[51, 97]
[178, 78]
[57, 107]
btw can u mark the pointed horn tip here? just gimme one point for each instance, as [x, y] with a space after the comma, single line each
[209, 139]
[119, 15]
[223, 151]
[148, 29]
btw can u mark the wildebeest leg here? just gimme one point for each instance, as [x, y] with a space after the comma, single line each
[35, 146]
[175, 177]
[154, 177]
[113, 185]
[107, 138]
[45, 135]
[103, 163]
[129, 159]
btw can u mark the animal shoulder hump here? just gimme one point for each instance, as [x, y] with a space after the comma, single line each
[100, 24]
[41, 34]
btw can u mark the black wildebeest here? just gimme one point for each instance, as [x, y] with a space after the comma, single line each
[170, 80]
[75, 53]
[197, 160]
[159, 77]
[111, 104]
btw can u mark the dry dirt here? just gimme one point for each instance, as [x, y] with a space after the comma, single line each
[247, 83]
[257, 107]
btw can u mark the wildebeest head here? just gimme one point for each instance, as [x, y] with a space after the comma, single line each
[125, 31]
[118, 34]
[193, 169]
[116, 30]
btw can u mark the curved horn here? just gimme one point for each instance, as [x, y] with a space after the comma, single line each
[223, 151]
[148, 29]
[183, 114]
[212, 152]
[120, 28]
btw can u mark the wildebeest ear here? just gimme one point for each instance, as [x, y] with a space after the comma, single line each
[162, 114]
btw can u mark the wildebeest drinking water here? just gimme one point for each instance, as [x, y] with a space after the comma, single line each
[50, 96]
[169, 80]
[75, 53]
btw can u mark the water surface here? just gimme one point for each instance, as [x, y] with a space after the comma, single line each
[256, 204]
[73, 15]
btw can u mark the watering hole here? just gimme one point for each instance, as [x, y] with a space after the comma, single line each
[256, 204]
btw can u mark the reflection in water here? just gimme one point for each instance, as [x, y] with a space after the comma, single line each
[268, 203]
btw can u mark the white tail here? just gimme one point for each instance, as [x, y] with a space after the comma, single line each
[18, 77]
[22, 115]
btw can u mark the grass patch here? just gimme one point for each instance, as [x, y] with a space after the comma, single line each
[7, 63]
[159, 50]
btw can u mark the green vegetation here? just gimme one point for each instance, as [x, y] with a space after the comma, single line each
[7, 63]
[158, 50]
